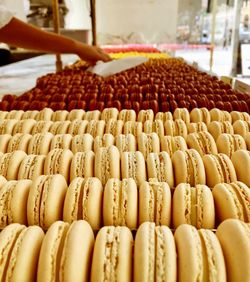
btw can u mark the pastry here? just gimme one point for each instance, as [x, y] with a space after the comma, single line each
[154, 126]
[176, 128]
[241, 162]
[60, 115]
[127, 115]
[45, 200]
[203, 142]
[216, 128]
[19, 252]
[159, 166]
[148, 143]
[66, 252]
[58, 161]
[30, 114]
[45, 114]
[3, 114]
[247, 140]
[200, 256]
[229, 143]
[114, 127]
[4, 142]
[109, 113]
[112, 257]
[61, 141]
[78, 127]
[133, 127]
[200, 115]
[107, 163]
[14, 114]
[41, 126]
[164, 116]
[219, 168]
[170, 144]
[144, 115]
[60, 127]
[219, 115]
[24, 126]
[103, 141]
[83, 200]
[3, 180]
[7, 126]
[193, 205]
[82, 165]
[96, 127]
[82, 143]
[126, 143]
[76, 114]
[196, 127]
[19, 141]
[232, 201]
[182, 113]
[92, 115]
[188, 167]
[155, 202]
[40, 143]
[155, 256]
[241, 127]
[239, 116]
[31, 167]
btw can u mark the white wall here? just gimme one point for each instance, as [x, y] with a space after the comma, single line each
[137, 21]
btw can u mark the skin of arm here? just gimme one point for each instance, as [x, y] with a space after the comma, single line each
[21, 34]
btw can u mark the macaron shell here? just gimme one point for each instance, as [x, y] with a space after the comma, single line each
[3, 180]
[24, 126]
[176, 128]
[60, 127]
[154, 126]
[241, 162]
[131, 127]
[96, 128]
[239, 116]
[148, 143]
[216, 128]
[40, 143]
[127, 115]
[228, 144]
[7, 126]
[61, 141]
[241, 127]
[15, 114]
[30, 114]
[247, 139]
[114, 127]
[92, 115]
[4, 141]
[103, 141]
[15, 161]
[200, 115]
[19, 141]
[164, 116]
[182, 113]
[234, 237]
[196, 127]
[126, 143]
[41, 126]
[31, 167]
[24, 256]
[60, 115]
[109, 113]
[82, 143]
[170, 144]
[45, 114]
[78, 127]
[76, 114]
[144, 115]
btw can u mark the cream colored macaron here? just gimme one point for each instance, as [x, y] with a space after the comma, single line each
[170, 144]
[31, 167]
[96, 127]
[60, 115]
[241, 127]
[19, 141]
[46, 199]
[155, 202]
[182, 113]
[144, 115]
[41, 126]
[24, 126]
[127, 115]
[219, 115]
[76, 114]
[200, 115]
[176, 128]
[148, 143]
[7, 126]
[66, 252]
[103, 141]
[193, 205]
[233, 235]
[30, 114]
[155, 256]
[247, 140]
[120, 203]
[82, 143]
[229, 143]
[133, 127]
[45, 114]
[164, 116]
[112, 257]
[92, 115]
[40, 143]
[61, 141]
[60, 127]
[156, 126]
[114, 127]
[126, 143]
[109, 113]
[78, 127]
[196, 127]
[83, 200]
[4, 142]
[15, 114]
[241, 162]
[216, 128]
[239, 116]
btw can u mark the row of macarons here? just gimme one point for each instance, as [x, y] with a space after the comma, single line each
[48, 198]
[183, 167]
[71, 252]
[196, 115]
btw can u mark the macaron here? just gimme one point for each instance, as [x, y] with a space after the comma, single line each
[19, 141]
[46, 199]
[78, 127]
[232, 200]
[176, 128]
[154, 126]
[155, 202]
[10, 163]
[7, 126]
[41, 126]
[15, 114]
[66, 252]
[188, 167]
[19, 252]
[144, 115]
[96, 127]
[13, 202]
[219, 168]
[247, 140]
[241, 127]
[219, 115]
[107, 163]
[30, 114]
[200, 256]
[60, 127]
[239, 116]
[127, 115]
[45, 114]
[229, 143]
[133, 127]
[120, 203]
[170, 144]
[109, 113]
[24, 126]
[155, 256]
[4, 142]
[133, 166]
[61, 141]
[82, 165]
[40, 143]
[31, 167]
[196, 127]
[103, 141]
[241, 162]
[125, 143]
[83, 200]
[182, 113]
[112, 257]
[3, 114]
[159, 166]
[200, 115]
[76, 114]
[82, 143]
[3, 180]
[60, 115]
[114, 127]
[58, 161]
[216, 128]
[148, 143]
[233, 235]
[92, 115]
[203, 142]
[193, 205]
[164, 116]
